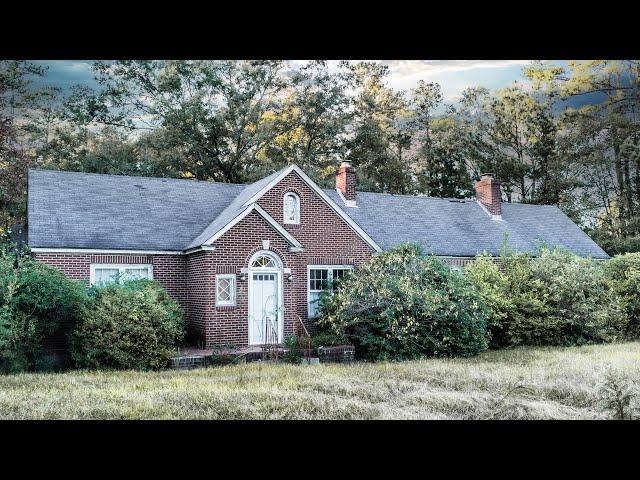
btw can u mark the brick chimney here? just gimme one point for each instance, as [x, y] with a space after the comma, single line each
[346, 181]
[488, 193]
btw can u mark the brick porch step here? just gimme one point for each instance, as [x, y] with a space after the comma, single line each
[192, 357]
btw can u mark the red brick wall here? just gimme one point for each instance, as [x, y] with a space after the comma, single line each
[230, 324]
[199, 280]
[327, 240]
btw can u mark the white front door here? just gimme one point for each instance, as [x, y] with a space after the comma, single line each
[264, 308]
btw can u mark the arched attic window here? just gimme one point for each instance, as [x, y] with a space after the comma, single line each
[291, 208]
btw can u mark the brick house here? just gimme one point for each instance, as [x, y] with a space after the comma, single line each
[246, 262]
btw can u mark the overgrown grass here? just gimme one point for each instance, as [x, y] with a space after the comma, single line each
[522, 383]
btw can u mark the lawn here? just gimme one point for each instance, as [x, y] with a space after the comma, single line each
[522, 383]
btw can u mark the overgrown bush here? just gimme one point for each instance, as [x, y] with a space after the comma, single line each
[617, 394]
[293, 353]
[37, 302]
[623, 275]
[555, 298]
[493, 286]
[402, 304]
[134, 325]
[327, 338]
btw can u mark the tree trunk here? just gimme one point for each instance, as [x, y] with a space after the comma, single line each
[638, 181]
[619, 177]
[627, 186]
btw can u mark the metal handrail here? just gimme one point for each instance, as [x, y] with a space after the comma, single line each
[304, 333]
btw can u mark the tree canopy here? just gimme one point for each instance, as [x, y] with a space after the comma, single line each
[561, 135]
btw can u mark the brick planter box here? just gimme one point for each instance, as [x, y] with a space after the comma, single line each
[336, 354]
[187, 363]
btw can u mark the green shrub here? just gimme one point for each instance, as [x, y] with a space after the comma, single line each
[402, 304]
[617, 394]
[130, 325]
[293, 354]
[36, 302]
[493, 286]
[326, 339]
[623, 275]
[566, 302]
[556, 298]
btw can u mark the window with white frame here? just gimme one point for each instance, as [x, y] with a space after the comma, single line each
[225, 289]
[321, 278]
[291, 208]
[103, 274]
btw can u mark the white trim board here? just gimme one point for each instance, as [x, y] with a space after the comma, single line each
[93, 251]
[335, 207]
[258, 209]
[206, 248]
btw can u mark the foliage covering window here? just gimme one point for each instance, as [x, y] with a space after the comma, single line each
[130, 325]
[556, 298]
[402, 304]
[36, 302]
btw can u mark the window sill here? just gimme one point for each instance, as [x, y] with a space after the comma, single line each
[225, 307]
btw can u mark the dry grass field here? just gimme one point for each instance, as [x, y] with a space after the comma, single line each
[523, 383]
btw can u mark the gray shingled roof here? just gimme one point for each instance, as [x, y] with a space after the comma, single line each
[457, 228]
[80, 210]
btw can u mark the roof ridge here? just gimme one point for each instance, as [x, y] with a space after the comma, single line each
[454, 199]
[409, 195]
[531, 204]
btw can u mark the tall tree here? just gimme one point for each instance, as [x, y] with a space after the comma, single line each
[18, 101]
[317, 110]
[607, 105]
[220, 114]
[440, 151]
[381, 132]
[514, 136]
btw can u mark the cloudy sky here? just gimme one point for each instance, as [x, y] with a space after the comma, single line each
[455, 75]
[452, 75]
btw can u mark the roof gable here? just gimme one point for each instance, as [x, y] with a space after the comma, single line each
[318, 191]
[254, 207]
[234, 208]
